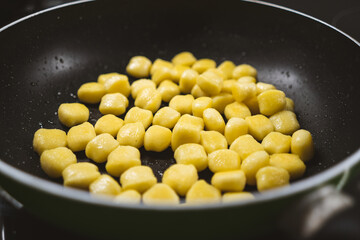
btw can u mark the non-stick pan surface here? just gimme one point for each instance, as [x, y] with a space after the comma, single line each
[46, 57]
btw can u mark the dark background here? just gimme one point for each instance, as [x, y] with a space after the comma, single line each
[343, 14]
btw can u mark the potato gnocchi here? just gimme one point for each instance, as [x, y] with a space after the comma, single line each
[215, 117]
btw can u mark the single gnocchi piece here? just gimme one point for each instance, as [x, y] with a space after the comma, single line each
[191, 120]
[71, 114]
[108, 123]
[139, 67]
[212, 141]
[91, 92]
[54, 161]
[227, 67]
[157, 138]
[100, 147]
[139, 178]
[182, 103]
[168, 89]
[270, 177]
[262, 87]
[200, 104]
[131, 134]
[180, 177]
[113, 103]
[245, 145]
[184, 133]
[290, 162]
[192, 153]
[244, 70]
[213, 120]
[45, 139]
[121, 159]
[236, 109]
[102, 78]
[235, 128]
[246, 79]
[159, 64]
[271, 102]
[162, 74]
[79, 136]
[285, 122]
[105, 186]
[118, 83]
[166, 117]
[229, 181]
[149, 99]
[289, 106]
[223, 160]
[259, 126]
[276, 142]
[184, 58]
[130, 196]
[136, 114]
[236, 196]
[210, 82]
[221, 101]
[203, 64]
[302, 144]
[160, 194]
[141, 84]
[202, 192]
[243, 91]
[80, 175]
[188, 80]
[252, 163]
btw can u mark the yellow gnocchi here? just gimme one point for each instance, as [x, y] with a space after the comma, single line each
[136, 114]
[192, 153]
[91, 92]
[79, 136]
[139, 178]
[180, 177]
[80, 175]
[45, 139]
[54, 161]
[131, 134]
[162, 194]
[149, 99]
[157, 138]
[108, 123]
[166, 117]
[139, 66]
[113, 103]
[219, 118]
[100, 147]
[121, 159]
[105, 186]
[71, 114]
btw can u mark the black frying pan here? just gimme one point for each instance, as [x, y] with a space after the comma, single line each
[47, 56]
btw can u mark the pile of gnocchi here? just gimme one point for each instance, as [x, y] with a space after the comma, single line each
[216, 117]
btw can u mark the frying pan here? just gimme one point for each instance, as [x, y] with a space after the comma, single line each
[46, 57]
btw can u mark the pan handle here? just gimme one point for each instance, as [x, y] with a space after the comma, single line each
[6, 196]
[309, 214]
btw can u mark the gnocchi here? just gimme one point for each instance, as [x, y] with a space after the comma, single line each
[216, 119]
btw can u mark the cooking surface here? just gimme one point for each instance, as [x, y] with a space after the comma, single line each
[17, 224]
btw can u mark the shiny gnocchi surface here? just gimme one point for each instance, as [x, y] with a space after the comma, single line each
[216, 118]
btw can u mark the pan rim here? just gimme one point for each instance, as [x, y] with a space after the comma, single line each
[47, 187]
